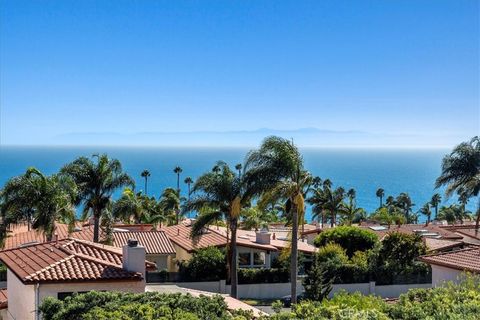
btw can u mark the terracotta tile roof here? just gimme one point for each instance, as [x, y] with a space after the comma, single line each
[245, 238]
[20, 237]
[466, 259]
[470, 232]
[441, 244]
[134, 227]
[3, 299]
[155, 242]
[180, 235]
[67, 260]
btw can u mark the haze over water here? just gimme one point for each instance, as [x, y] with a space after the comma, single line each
[395, 170]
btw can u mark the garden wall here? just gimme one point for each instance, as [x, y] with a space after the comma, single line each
[279, 290]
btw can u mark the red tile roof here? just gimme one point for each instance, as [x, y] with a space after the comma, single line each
[155, 242]
[466, 259]
[441, 244]
[20, 237]
[180, 235]
[67, 260]
[3, 299]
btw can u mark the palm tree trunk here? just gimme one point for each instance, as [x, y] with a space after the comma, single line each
[234, 264]
[477, 223]
[146, 193]
[178, 184]
[294, 254]
[332, 221]
[96, 225]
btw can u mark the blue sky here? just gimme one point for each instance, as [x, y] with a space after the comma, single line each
[394, 73]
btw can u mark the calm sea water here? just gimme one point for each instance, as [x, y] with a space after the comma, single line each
[365, 170]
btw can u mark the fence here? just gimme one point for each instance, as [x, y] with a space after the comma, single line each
[279, 290]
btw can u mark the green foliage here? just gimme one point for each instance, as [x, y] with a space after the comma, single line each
[144, 306]
[317, 284]
[277, 306]
[350, 238]
[452, 301]
[206, 264]
[262, 275]
[332, 252]
[398, 257]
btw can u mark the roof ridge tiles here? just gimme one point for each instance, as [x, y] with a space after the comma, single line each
[51, 266]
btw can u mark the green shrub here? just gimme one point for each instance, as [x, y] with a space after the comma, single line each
[261, 275]
[208, 264]
[141, 306]
[348, 237]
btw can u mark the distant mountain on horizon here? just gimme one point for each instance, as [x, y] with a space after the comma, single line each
[305, 137]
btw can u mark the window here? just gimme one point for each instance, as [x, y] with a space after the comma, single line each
[244, 258]
[258, 258]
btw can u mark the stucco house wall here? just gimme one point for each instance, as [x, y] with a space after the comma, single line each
[161, 260]
[441, 274]
[21, 298]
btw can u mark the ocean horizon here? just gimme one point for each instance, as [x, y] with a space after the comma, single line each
[365, 169]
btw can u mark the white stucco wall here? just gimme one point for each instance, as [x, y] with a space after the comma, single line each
[442, 274]
[161, 260]
[21, 298]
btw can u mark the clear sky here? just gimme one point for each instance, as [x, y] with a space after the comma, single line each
[93, 71]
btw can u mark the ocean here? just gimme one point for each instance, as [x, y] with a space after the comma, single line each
[365, 170]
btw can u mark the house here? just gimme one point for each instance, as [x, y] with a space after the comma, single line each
[256, 249]
[60, 268]
[158, 247]
[448, 266]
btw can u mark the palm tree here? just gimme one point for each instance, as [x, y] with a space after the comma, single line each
[177, 170]
[238, 167]
[97, 181]
[219, 195]
[170, 204]
[130, 206]
[425, 210]
[349, 211]
[436, 199]
[327, 200]
[380, 194]
[461, 170]
[48, 198]
[145, 174]
[277, 168]
[189, 182]
[405, 203]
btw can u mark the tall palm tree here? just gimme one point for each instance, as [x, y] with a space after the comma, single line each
[434, 202]
[219, 195]
[130, 206]
[96, 180]
[327, 200]
[170, 204]
[380, 194]
[425, 210]
[189, 182]
[277, 167]
[238, 167]
[349, 211]
[177, 170]
[145, 174]
[461, 170]
[49, 198]
[404, 202]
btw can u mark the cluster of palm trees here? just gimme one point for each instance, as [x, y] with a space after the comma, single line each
[271, 181]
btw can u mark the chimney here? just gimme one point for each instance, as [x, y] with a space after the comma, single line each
[273, 236]
[263, 237]
[134, 257]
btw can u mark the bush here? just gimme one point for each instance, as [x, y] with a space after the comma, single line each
[453, 301]
[350, 238]
[261, 275]
[129, 306]
[208, 264]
